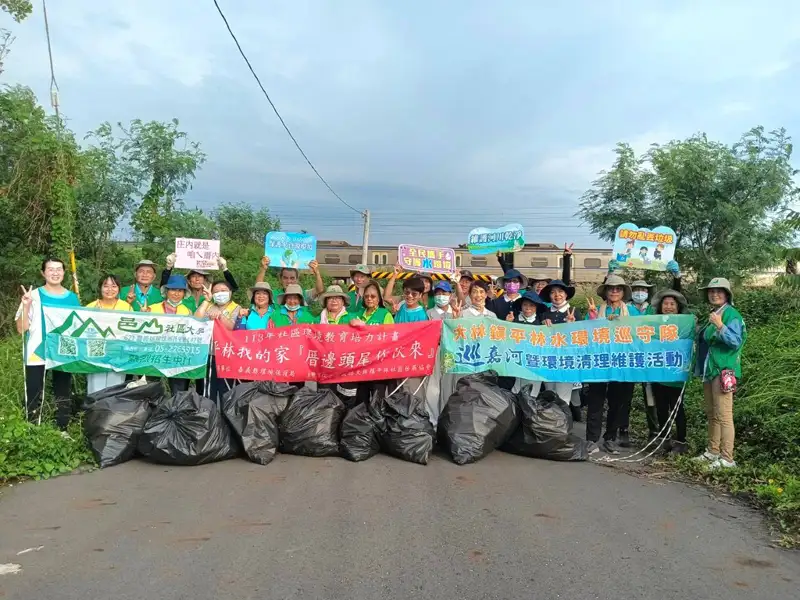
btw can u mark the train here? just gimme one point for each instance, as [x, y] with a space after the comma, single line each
[589, 265]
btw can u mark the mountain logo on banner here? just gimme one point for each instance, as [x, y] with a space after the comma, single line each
[74, 326]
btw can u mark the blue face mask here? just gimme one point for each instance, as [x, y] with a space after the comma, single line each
[292, 308]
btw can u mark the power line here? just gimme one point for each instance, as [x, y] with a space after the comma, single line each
[280, 118]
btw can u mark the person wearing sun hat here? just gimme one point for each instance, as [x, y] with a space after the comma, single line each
[360, 274]
[334, 303]
[719, 363]
[512, 283]
[142, 292]
[261, 308]
[173, 292]
[197, 280]
[291, 308]
[615, 294]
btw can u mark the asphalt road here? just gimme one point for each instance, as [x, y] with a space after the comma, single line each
[507, 527]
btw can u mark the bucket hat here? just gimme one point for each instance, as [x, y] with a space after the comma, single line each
[683, 305]
[175, 282]
[295, 289]
[332, 291]
[641, 283]
[261, 286]
[719, 283]
[361, 268]
[530, 296]
[557, 283]
[512, 274]
[615, 281]
[144, 263]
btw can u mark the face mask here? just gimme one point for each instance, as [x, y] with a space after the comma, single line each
[292, 308]
[442, 300]
[639, 297]
[222, 297]
[512, 287]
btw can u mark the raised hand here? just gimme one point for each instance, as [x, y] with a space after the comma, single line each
[456, 309]
[207, 292]
[27, 295]
[398, 268]
[264, 262]
[171, 258]
[313, 266]
[131, 297]
[715, 320]
[510, 317]
[571, 315]
[568, 249]
[590, 303]
[222, 263]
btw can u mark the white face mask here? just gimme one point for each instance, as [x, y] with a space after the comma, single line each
[442, 300]
[639, 297]
[222, 297]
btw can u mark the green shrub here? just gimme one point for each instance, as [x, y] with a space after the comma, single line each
[28, 450]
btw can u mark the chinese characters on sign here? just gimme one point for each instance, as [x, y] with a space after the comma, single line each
[196, 254]
[89, 340]
[489, 241]
[652, 348]
[427, 260]
[642, 248]
[293, 250]
[328, 353]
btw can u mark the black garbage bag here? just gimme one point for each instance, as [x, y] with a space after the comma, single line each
[187, 429]
[253, 410]
[478, 417]
[405, 427]
[115, 418]
[360, 434]
[310, 424]
[546, 429]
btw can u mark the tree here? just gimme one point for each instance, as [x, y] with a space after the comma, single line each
[724, 202]
[243, 224]
[18, 9]
[165, 160]
[791, 279]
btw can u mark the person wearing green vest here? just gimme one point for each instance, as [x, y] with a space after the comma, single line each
[293, 309]
[719, 363]
[667, 395]
[142, 293]
[334, 306]
[374, 311]
[361, 277]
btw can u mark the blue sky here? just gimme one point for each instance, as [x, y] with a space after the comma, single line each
[437, 116]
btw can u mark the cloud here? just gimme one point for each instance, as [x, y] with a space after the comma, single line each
[432, 115]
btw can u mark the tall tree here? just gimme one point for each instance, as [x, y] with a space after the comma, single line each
[724, 202]
[243, 224]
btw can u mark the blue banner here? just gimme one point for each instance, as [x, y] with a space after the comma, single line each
[646, 349]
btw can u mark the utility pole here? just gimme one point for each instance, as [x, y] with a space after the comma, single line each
[365, 247]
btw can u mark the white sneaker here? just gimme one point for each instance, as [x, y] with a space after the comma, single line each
[721, 463]
[707, 456]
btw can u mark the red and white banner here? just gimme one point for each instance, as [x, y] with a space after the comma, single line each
[328, 353]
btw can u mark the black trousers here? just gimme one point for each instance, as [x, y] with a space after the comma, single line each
[613, 393]
[649, 412]
[666, 399]
[62, 386]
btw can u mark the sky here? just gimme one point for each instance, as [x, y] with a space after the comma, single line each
[438, 117]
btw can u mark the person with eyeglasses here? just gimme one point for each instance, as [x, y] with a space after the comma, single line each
[107, 299]
[30, 323]
[408, 308]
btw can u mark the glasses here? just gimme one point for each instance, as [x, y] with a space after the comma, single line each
[411, 294]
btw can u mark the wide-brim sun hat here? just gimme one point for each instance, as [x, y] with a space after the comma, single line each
[719, 283]
[333, 291]
[641, 283]
[557, 283]
[293, 289]
[144, 263]
[540, 277]
[683, 305]
[530, 296]
[198, 272]
[175, 282]
[615, 281]
[363, 269]
[512, 274]
[261, 286]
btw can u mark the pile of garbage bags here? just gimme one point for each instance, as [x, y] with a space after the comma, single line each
[263, 418]
[545, 430]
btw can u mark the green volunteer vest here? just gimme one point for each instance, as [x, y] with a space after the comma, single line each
[720, 355]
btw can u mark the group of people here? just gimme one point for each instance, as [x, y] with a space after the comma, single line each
[535, 300]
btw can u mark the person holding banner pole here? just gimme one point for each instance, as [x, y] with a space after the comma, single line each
[108, 299]
[218, 306]
[174, 291]
[439, 385]
[527, 312]
[30, 323]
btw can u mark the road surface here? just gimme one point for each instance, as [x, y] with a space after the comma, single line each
[507, 527]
